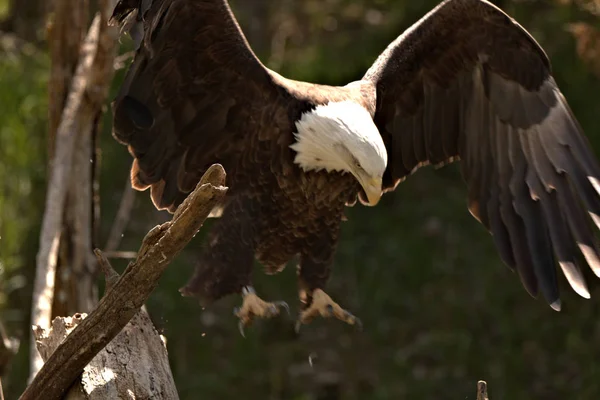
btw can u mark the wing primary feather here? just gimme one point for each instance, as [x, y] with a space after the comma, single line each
[578, 224]
[472, 169]
[567, 155]
[487, 159]
[572, 135]
[498, 229]
[451, 125]
[562, 240]
[512, 221]
[536, 230]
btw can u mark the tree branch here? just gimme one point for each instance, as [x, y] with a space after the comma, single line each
[120, 254]
[123, 300]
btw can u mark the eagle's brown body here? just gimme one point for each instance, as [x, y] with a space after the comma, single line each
[465, 83]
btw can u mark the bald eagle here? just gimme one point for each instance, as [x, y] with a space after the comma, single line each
[466, 83]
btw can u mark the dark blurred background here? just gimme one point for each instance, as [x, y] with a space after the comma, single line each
[439, 309]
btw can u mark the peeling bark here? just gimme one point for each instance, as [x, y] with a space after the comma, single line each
[134, 364]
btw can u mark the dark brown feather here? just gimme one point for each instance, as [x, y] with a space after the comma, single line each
[196, 95]
[467, 82]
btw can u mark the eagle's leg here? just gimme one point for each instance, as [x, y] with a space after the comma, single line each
[253, 306]
[316, 303]
[322, 305]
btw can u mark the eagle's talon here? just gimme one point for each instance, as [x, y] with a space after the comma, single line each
[241, 328]
[253, 307]
[297, 326]
[353, 320]
[358, 324]
[281, 304]
[322, 305]
[329, 309]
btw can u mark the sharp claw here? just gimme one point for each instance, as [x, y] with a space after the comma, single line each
[271, 310]
[358, 324]
[329, 308]
[283, 304]
[352, 320]
[246, 290]
[241, 328]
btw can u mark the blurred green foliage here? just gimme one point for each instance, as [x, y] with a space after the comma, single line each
[439, 309]
[23, 105]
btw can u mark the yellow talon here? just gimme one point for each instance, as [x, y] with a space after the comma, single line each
[253, 306]
[322, 305]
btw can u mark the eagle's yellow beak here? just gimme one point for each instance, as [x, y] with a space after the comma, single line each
[372, 187]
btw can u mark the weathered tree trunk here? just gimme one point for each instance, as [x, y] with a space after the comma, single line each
[74, 290]
[66, 31]
[134, 364]
[77, 98]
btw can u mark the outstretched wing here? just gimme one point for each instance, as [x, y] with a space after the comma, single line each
[467, 82]
[191, 98]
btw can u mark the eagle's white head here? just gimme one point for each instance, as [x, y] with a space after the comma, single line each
[341, 136]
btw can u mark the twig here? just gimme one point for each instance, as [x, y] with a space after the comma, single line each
[482, 393]
[130, 292]
[43, 288]
[122, 218]
[1, 391]
[120, 254]
[110, 274]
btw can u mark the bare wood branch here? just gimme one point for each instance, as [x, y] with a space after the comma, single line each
[43, 289]
[482, 393]
[110, 274]
[130, 292]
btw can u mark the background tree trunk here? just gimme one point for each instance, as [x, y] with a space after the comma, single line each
[74, 289]
[64, 282]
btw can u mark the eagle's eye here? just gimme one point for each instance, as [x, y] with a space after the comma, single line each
[357, 165]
